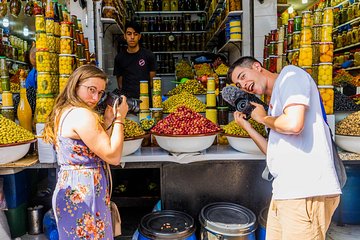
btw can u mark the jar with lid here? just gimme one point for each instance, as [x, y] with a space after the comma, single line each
[344, 17]
[273, 64]
[316, 33]
[297, 23]
[49, 10]
[8, 112]
[43, 60]
[328, 17]
[337, 17]
[293, 57]
[144, 87]
[355, 35]
[157, 84]
[357, 9]
[318, 17]
[290, 42]
[326, 52]
[315, 72]
[306, 20]
[223, 115]
[325, 74]
[210, 99]
[305, 56]
[349, 37]
[305, 36]
[315, 53]
[326, 33]
[44, 105]
[350, 12]
[290, 26]
[3, 67]
[145, 102]
[357, 58]
[296, 40]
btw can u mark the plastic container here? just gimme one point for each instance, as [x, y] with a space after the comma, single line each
[16, 189]
[49, 224]
[17, 220]
[167, 224]
[227, 221]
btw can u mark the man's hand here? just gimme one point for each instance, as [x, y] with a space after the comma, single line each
[259, 113]
[240, 119]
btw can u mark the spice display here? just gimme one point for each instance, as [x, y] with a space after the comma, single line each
[305, 56]
[184, 121]
[326, 52]
[183, 99]
[10, 132]
[325, 74]
[191, 86]
[327, 97]
[132, 129]
[234, 129]
[349, 125]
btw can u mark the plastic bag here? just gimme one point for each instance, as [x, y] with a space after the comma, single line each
[3, 205]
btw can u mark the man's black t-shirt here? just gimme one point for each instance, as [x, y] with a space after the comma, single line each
[134, 67]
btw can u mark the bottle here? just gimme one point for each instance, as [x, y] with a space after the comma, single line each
[24, 112]
[49, 224]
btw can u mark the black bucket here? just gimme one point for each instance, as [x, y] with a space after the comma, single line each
[227, 221]
[167, 224]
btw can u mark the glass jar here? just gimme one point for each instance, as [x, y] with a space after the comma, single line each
[44, 83]
[305, 56]
[5, 83]
[156, 100]
[3, 67]
[157, 84]
[316, 33]
[349, 37]
[63, 79]
[210, 84]
[326, 33]
[355, 35]
[336, 17]
[41, 40]
[272, 48]
[343, 39]
[66, 63]
[293, 57]
[211, 114]
[327, 97]
[296, 40]
[51, 42]
[145, 102]
[66, 29]
[54, 59]
[8, 112]
[306, 20]
[290, 42]
[44, 106]
[280, 48]
[223, 115]
[40, 23]
[297, 24]
[326, 52]
[156, 113]
[350, 12]
[66, 45]
[54, 83]
[305, 36]
[325, 74]
[43, 60]
[50, 25]
[357, 9]
[273, 63]
[344, 17]
[315, 72]
[211, 99]
[315, 53]
[290, 26]
[49, 10]
[144, 87]
[318, 17]
[357, 58]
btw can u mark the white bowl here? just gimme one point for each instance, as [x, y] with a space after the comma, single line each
[132, 145]
[185, 143]
[243, 144]
[14, 151]
[348, 143]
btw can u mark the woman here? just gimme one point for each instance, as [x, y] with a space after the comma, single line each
[81, 197]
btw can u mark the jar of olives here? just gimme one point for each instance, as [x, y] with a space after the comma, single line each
[41, 40]
[44, 105]
[144, 105]
[43, 60]
[50, 25]
[66, 63]
[328, 17]
[44, 83]
[63, 79]
[325, 74]
[66, 29]
[39, 23]
[156, 100]
[66, 45]
[318, 17]
[326, 33]
[157, 84]
[51, 44]
[8, 112]
[305, 57]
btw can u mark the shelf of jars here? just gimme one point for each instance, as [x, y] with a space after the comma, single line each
[282, 7]
[346, 24]
[340, 4]
[130, 5]
[231, 45]
[175, 32]
[217, 10]
[352, 68]
[111, 22]
[178, 52]
[168, 12]
[16, 61]
[220, 28]
[347, 47]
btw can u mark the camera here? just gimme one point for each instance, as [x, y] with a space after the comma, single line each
[243, 105]
[133, 103]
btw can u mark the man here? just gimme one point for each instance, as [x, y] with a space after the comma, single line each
[306, 189]
[31, 77]
[134, 64]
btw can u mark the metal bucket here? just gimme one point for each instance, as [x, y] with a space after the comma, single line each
[167, 224]
[227, 221]
[35, 219]
[262, 219]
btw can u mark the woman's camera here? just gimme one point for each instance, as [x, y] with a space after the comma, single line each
[133, 103]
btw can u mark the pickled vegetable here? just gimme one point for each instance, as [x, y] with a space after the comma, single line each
[66, 63]
[157, 100]
[326, 33]
[325, 74]
[63, 79]
[305, 36]
[41, 40]
[44, 105]
[305, 56]
[328, 17]
[51, 45]
[326, 52]
[50, 26]
[132, 129]
[66, 45]
[40, 23]
[44, 83]
[43, 61]
[234, 129]
[327, 97]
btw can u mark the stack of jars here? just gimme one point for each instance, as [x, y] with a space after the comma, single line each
[222, 111]
[325, 59]
[7, 109]
[211, 112]
[145, 100]
[305, 55]
[66, 57]
[156, 93]
[79, 41]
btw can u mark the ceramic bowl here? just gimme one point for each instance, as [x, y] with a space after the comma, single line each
[185, 143]
[243, 144]
[131, 145]
[348, 143]
[14, 151]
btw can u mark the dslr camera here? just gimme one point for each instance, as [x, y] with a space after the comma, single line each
[114, 100]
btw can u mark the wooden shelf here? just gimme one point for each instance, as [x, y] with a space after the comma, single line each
[27, 161]
[347, 47]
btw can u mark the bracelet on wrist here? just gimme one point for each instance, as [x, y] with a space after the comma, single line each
[119, 123]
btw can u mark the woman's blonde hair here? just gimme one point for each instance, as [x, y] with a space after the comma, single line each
[68, 98]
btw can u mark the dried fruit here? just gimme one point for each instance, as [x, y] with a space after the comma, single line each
[184, 121]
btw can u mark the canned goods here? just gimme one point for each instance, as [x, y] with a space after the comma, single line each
[157, 100]
[66, 45]
[157, 84]
[44, 83]
[44, 106]
[63, 79]
[144, 87]
[305, 56]
[43, 60]
[49, 25]
[8, 112]
[144, 105]
[66, 29]
[328, 17]
[66, 63]
[210, 84]
[41, 40]
[156, 113]
[39, 23]
[325, 74]
[211, 114]
[326, 52]
[7, 99]
[211, 99]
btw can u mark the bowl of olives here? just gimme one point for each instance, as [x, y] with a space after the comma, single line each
[14, 151]
[243, 144]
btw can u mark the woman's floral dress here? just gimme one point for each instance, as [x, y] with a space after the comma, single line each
[81, 201]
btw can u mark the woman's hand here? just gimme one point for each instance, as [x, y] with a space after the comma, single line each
[122, 109]
[108, 116]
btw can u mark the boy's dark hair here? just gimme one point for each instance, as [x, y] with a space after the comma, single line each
[245, 62]
[134, 25]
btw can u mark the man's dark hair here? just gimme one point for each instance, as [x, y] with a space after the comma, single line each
[245, 62]
[133, 25]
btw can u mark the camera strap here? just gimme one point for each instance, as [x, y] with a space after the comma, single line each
[115, 106]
